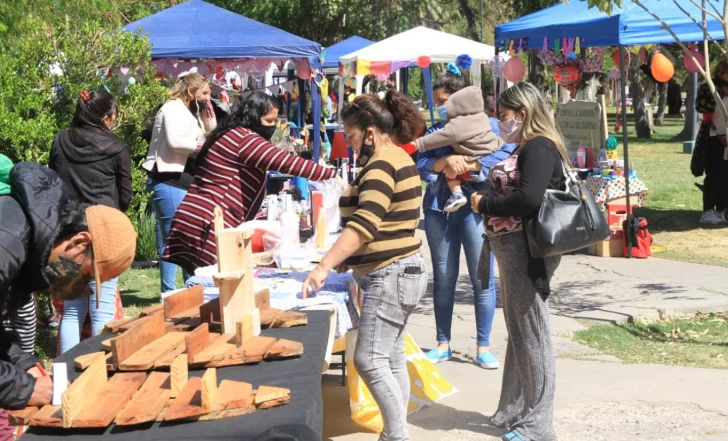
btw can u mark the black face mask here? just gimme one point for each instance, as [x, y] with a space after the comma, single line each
[366, 152]
[266, 132]
[196, 106]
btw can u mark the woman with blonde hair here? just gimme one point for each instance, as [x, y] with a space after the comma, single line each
[517, 188]
[179, 131]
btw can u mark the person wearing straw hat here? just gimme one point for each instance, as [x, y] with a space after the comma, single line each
[53, 245]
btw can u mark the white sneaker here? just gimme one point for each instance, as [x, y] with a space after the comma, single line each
[710, 217]
[456, 201]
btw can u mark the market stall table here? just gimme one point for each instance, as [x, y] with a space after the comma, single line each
[301, 419]
[607, 188]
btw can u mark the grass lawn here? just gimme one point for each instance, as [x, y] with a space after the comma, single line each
[700, 341]
[139, 289]
[674, 205]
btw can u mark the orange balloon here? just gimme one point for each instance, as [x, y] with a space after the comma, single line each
[662, 68]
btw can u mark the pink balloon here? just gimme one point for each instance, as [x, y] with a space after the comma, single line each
[514, 70]
[690, 64]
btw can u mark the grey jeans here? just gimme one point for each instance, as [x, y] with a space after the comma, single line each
[389, 297]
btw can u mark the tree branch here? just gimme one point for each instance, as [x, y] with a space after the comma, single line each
[674, 36]
[704, 29]
[715, 16]
[714, 8]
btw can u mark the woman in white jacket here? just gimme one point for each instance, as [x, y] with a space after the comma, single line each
[179, 131]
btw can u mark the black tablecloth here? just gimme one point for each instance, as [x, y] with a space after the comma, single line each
[301, 419]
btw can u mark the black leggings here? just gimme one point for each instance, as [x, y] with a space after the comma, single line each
[715, 192]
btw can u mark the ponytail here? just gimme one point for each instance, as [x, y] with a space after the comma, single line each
[408, 121]
[92, 107]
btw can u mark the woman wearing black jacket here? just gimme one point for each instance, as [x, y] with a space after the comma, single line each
[517, 188]
[95, 165]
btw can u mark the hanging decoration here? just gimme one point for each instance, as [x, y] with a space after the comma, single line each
[514, 70]
[463, 62]
[591, 63]
[303, 69]
[615, 58]
[423, 62]
[688, 60]
[362, 66]
[662, 68]
[397, 65]
[642, 55]
[497, 65]
[545, 47]
[517, 45]
[567, 75]
[382, 68]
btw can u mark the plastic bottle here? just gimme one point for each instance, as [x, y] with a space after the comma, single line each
[290, 222]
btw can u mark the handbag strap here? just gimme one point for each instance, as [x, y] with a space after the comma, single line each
[568, 178]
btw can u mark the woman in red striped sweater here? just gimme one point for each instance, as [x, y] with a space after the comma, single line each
[230, 173]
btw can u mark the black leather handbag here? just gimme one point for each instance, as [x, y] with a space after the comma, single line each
[568, 220]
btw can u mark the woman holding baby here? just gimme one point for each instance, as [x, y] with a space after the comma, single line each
[455, 157]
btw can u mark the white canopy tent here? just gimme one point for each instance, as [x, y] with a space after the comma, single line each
[440, 47]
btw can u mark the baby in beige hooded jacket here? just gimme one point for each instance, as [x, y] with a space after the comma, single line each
[467, 131]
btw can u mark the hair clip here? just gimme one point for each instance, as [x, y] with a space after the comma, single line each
[187, 72]
[85, 96]
[454, 69]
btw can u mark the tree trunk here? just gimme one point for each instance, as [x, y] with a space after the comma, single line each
[690, 113]
[661, 104]
[470, 18]
[674, 98]
[641, 124]
[537, 74]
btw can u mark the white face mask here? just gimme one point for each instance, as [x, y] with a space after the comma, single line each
[510, 131]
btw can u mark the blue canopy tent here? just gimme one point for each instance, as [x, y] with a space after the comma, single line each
[629, 25]
[334, 52]
[199, 30]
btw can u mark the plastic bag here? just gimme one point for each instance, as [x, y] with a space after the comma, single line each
[427, 385]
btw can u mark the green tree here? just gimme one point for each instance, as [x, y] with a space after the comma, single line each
[41, 77]
[708, 10]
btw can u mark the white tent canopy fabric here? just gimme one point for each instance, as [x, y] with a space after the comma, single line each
[441, 47]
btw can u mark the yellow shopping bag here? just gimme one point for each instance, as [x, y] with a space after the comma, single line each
[427, 385]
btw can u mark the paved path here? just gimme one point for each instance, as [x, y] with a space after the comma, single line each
[598, 397]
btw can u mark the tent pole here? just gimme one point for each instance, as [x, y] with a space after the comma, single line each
[427, 77]
[289, 76]
[623, 85]
[496, 83]
[316, 117]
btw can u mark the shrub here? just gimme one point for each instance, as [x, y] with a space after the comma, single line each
[146, 237]
[48, 65]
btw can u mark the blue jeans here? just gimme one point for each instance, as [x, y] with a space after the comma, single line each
[389, 295]
[446, 234]
[74, 313]
[165, 200]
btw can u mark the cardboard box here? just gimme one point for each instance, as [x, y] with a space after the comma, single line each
[613, 246]
[616, 215]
